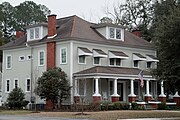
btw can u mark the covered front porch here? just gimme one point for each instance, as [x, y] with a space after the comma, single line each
[114, 84]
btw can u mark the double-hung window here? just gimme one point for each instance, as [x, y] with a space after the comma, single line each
[149, 65]
[15, 83]
[136, 63]
[28, 85]
[82, 59]
[63, 56]
[115, 61]
[96, 60]
[7, 85]
[8, 62]
[41, 57]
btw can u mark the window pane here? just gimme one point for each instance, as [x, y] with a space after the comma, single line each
[31, 33]
[112, 35]
[28, 85]
[111, 61]
[118, 33]
[8, 61]
[82, 59]
[118, 62]
[96, 60]
[149, 64]
[41, 58]
[63, 55]
[7, 85]
[136, 62]
[16, 84]
[36, 32]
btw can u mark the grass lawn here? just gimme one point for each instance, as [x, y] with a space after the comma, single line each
[101, 115]
[114, 115]
[14, 112]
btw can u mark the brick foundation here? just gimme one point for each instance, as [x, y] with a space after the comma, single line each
[162, 99]
[49, 105]
[177, 100]
[76, 99]
[132, 98]
[115, 98]
[147, 98]
[96, 98]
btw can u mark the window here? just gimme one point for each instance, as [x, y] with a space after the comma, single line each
[15, 83]
[28, 85]
[8, 62]
[136, 63]
[112, 33]
[115, 33]
[7, 85]
[82, 59]
[63, 56]
[118, 33]
[31, 33]
[149, 64]
[36, 32]
[115, 61]
[96, 60]
[41, 58]
[21, 58]
[29, 57]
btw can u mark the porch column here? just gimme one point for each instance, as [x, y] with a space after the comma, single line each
[176, 99]
[147, 95]
[115, 96]
[162, 96]
[96, 96]
[76, 94]
[132, 96]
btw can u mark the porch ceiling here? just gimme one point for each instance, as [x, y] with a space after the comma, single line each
[110, 72]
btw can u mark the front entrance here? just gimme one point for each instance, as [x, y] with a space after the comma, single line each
[120, 91]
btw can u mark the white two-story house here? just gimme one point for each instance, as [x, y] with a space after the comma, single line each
[102, 60]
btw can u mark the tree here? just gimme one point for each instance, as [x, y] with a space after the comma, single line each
[20, 16]
[28, 13]
[53, 85]
[6, 20]
[135, 14]
[166, 27]
[16, 99]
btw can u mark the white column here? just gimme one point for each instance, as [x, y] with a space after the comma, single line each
[147, 88]
[162, 89]
[132, 88]
[76, 88]
[115, 88]
[97, 87]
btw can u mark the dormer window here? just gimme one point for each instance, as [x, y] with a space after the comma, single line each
[37, 33]
[31, 33]
[115, 33]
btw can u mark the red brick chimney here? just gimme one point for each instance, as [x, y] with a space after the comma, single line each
[51, 25]
[137, 33]
[19, 34]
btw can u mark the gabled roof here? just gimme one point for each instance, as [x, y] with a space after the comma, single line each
[77, 29]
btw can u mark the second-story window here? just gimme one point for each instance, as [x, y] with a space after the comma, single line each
[8, 61]
[63, 56]
[115, 61]
[136, 63]
[96, 61]
[149, 65]
[41, 58]
[82, 59]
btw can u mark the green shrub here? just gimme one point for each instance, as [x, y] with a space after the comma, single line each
[95, 106]
[105, 105]
[162, 106]
[124, 106]
[134, 106]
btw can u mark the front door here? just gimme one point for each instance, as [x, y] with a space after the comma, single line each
[120, 91]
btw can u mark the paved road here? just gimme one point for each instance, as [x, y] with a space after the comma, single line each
[13, 117]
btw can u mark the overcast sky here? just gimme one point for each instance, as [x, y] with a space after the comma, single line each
[91, 10]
